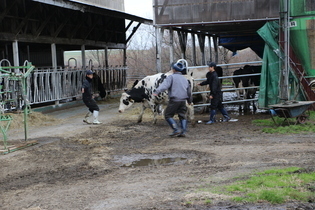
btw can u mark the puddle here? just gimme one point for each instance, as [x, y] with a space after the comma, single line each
[154, 162]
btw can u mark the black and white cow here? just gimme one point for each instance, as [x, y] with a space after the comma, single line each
[142, 93]
[247, 81]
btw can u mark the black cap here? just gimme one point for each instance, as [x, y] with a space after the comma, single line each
[89, 72]
[212, 64]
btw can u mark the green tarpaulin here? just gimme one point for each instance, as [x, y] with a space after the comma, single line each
[269, 79]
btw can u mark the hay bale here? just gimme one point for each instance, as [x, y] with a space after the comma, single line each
[34, 119]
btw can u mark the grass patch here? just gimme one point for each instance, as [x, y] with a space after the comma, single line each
[270, 127]
[275, 186]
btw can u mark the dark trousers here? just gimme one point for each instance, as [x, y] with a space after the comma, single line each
[216, 102]
[174, 107]
[91, 104]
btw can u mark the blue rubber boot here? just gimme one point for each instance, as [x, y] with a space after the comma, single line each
[226, 117]
[183, 124]
[173, 125]
[212, 117]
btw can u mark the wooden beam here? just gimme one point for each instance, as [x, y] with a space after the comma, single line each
[63, 41]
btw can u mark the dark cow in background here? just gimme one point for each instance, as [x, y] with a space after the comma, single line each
[141, 92]
[98, 86]
[247, 81]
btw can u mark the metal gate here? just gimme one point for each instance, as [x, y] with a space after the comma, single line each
[229, 88]
[57, 84]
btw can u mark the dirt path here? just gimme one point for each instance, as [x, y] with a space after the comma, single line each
[78, 166]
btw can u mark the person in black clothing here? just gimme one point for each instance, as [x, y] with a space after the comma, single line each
[216, 96]
[88, 99]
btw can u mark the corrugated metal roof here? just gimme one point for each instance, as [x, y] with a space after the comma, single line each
[215, 16]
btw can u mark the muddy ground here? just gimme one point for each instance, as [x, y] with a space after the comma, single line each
[124, 165]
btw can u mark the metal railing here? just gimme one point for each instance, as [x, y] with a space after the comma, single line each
[229, 89]
[56, 84]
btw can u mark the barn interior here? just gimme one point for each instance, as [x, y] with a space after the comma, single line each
[37, 24]
[40, 31]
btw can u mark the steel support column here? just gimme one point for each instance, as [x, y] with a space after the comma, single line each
[171, 45]
[54, 55]
[15, 48]
[182, 35]
[210, 46]
[106, 57]
[215, 43]
[193, 42]
[159, 35]
[201, 40]
[83, 57]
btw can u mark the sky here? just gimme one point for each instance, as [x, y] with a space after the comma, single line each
[142, 8]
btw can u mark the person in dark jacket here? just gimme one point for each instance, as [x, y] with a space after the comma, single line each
[216, 95]
[88, 99]
[179, 91]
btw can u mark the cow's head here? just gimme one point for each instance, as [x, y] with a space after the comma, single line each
[125, 102]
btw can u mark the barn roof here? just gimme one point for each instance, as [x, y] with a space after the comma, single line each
[234, 22]
[65, 22]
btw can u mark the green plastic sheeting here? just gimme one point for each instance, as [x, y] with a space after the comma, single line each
[269, 79]
[302, 37]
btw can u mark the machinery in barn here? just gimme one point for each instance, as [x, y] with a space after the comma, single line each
[14, 89]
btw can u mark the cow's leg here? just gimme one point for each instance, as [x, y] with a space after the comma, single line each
[190, 114]
[157, 109]
[238, 94]
[247, 95]
[143, 107]
[254, 103]
[204, 101]
[154, 117]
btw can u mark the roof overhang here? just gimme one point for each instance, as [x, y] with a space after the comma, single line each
[85, 7]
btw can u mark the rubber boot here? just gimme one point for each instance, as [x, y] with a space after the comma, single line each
[173, 125]
[95, 121]
[183, 124]
[212, 117]
[226, 117]
[86, 118]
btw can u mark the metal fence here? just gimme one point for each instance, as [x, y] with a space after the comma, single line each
[234, 66]
[54, 85]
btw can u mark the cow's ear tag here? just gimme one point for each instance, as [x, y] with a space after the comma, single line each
[131, 100]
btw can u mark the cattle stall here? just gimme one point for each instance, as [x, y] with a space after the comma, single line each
[46, 85]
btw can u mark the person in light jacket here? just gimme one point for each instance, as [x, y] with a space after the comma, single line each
[179, 91]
